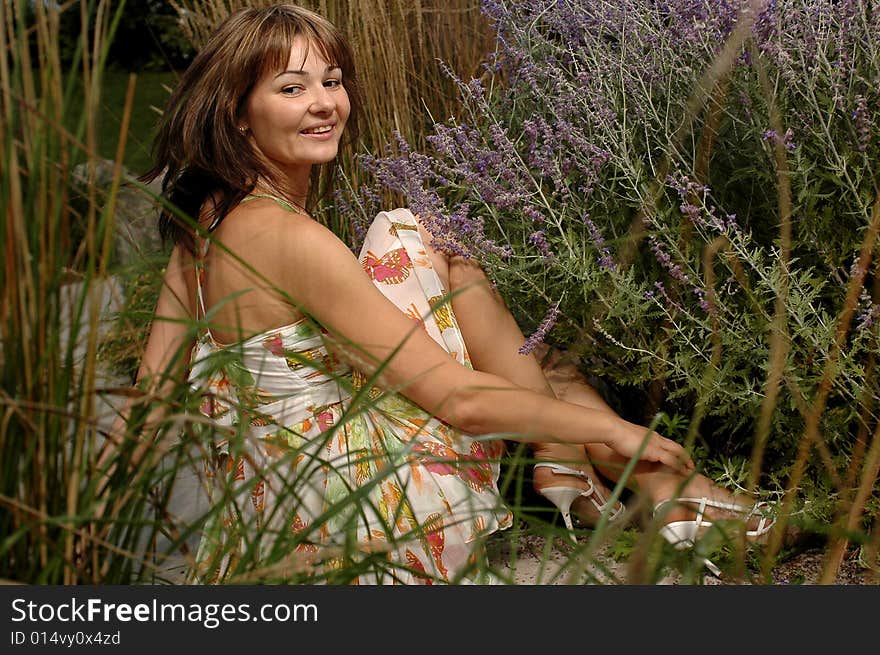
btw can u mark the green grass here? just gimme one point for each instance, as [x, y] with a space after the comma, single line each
[151, 92]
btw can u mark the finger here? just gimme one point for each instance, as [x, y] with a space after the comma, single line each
[667, 459]
[687, 459]
[679, 451]
[657, 453]
[685, 463]
[681, 465]
[674, 461]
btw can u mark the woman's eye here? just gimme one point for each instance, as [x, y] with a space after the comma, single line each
[291, 89]
[333, 83]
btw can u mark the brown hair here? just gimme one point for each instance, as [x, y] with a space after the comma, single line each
[199, 148]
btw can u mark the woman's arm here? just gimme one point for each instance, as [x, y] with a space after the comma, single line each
[166, 354]
[164, 363]
[320, 272]
[493, 336]
[491, 333]
[493, 339]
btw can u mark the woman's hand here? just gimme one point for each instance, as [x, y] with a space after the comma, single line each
[628, 440]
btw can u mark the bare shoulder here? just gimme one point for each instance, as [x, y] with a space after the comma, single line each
[262, 246]
[263, 229]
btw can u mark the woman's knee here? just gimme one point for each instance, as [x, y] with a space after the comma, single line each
[464, 271]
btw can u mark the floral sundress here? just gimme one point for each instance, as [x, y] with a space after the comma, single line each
[317, 476]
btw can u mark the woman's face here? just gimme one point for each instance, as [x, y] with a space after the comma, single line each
[296, 116]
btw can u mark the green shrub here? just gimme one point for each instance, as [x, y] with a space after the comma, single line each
[685, 194]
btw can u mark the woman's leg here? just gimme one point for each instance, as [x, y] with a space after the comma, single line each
[654, 482]
[493, 339]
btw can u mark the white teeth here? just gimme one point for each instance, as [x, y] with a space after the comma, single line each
[319, 130]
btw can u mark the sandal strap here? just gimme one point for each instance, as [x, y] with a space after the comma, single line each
[601, 503]
[718, 504]
[591, 492]
[705, 502]
[564, 470]
[764, 523]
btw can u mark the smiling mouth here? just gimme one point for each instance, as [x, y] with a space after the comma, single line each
[319, 130]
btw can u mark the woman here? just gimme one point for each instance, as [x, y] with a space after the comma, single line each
[349, 441]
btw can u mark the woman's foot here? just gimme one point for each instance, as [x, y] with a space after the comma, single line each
[577, 491]
[696, 504]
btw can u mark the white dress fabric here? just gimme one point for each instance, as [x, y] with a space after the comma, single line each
[320, 477]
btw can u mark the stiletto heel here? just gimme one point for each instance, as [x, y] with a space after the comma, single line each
[563, 496]
[684, 534]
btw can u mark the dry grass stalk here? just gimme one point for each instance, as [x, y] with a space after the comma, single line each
[49, 417]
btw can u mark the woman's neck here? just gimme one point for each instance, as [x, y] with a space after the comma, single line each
[298, 181]
[297, 195]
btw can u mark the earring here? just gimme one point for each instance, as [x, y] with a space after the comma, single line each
[243, 129]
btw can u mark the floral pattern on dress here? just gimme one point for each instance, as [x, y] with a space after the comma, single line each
[315, 476]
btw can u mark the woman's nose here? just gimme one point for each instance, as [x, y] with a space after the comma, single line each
[322, 101]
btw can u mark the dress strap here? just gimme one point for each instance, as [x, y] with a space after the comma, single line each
[281, 201]
[202, 311]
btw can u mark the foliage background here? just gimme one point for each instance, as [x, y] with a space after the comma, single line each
[684, 194]
[600, 149]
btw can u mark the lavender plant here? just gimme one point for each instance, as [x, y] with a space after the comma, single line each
[685, 194]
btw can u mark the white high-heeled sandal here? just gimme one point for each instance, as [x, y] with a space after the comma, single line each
[684, 534]
[691, 529]
[563, 496]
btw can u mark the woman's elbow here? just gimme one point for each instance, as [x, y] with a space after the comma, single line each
[466, 410]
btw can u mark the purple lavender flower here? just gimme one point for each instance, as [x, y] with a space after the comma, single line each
[662, 291]
[665, 260]
[701, 298]
[605, 259]
[539, 240]
[867, 317]
[787, 139]
[862, 120]
[869, 311]
[693, 213]
[537, 337]
[536, 216]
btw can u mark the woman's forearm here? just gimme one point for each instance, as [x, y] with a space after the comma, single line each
[491, 405]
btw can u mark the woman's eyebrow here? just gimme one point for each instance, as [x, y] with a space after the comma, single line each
[331, 67]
